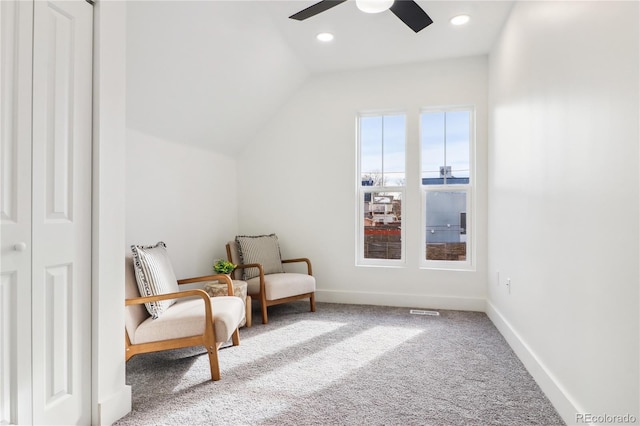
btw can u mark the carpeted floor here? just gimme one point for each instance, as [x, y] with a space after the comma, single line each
[344, 365]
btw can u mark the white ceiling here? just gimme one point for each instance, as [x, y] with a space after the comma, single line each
[369, 40]
[212, 73]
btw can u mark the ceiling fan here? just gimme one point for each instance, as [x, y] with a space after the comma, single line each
[408, 11]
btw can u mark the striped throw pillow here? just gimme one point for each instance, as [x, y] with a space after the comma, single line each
[154, 275]
[262, 249]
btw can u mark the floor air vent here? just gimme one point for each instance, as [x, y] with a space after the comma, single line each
[422, 312]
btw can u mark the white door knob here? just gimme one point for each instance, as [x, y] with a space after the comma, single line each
[20, 247]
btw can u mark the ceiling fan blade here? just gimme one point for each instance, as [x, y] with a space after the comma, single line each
[411, 14]
[315, 9]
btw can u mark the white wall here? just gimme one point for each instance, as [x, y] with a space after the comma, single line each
[182, 195]
[298, 179]
[563, 200]
[111, 397]
[206, 73]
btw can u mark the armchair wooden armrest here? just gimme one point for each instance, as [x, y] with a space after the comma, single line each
[219, 277]
[251, 265]
[178, 295]
[260, 271]
[300, 259]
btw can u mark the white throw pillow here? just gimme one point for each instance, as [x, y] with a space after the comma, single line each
[262, 249]
[154, 275]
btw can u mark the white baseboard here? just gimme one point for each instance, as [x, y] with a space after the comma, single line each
[552, 388]
[402, 300]
[115, 406]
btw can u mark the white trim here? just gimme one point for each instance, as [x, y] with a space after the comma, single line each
[402, 300]
[561, 399]
[113, 407]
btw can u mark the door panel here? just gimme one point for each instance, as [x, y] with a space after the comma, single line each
[16, 23]
[61, 218]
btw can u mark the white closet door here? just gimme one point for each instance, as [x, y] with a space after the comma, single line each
[16, 19]
[61, 212]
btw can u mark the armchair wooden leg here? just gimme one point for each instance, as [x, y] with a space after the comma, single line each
[312, 302]
[264, 313]
[213, 362]
[248, 311]
[212, 350]
[235, 337]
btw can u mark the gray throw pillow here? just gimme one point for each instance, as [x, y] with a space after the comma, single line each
[154, 275]
[262, 249]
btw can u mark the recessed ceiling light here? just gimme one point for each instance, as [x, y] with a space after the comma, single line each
[460, 19]
[325, 37]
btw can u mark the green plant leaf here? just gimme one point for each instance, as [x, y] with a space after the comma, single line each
[222, 266]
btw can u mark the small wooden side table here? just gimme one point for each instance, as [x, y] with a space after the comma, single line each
[216, 288]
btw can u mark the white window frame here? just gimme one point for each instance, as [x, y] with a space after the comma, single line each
[469, 263]
[361, 190]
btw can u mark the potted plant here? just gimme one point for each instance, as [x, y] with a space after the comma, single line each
[222, 266]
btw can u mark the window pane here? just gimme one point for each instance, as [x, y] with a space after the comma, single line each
[446, 233]
[393, 149]
[370, 147]
[382, 225]
[457, 143]
[432, 127]
[445, 147]
[382, 150]
[394, 179]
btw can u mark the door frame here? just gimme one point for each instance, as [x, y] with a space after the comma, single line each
[111, 397]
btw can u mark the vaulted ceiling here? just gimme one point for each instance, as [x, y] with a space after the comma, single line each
[212, 73]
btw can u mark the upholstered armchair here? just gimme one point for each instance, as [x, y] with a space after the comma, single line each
[160, 316]
[261, 266]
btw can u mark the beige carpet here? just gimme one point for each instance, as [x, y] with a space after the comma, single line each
[344, 365]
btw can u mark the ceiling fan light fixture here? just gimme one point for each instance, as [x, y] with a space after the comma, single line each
[460, 19]
[374, 6]
[408, 11]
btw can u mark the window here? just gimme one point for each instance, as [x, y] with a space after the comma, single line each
[381, 188]
[446, 158]
[441, 227]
